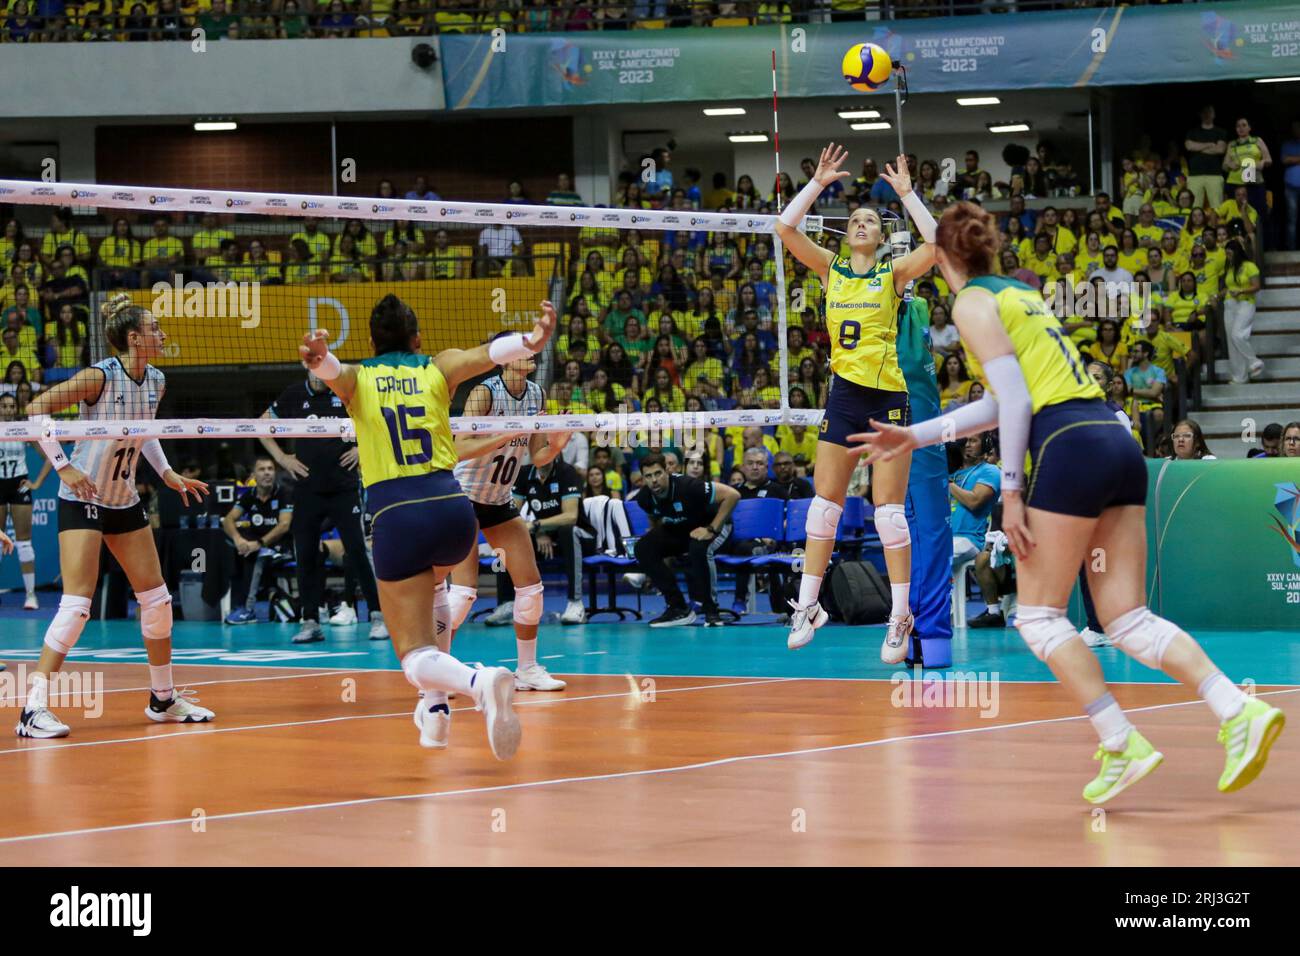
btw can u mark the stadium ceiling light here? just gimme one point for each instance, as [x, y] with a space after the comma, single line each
[747, 137]
[869, 126]
[724, 111]
[1008, 127]
[978, 101]
[215, 126]
[858, 114]
[1279, 79]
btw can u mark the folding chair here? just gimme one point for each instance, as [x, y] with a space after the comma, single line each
[753, 518]
[638, 523]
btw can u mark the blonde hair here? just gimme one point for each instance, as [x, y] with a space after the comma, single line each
[121, 318]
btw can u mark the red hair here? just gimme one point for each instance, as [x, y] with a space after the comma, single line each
[968, 234]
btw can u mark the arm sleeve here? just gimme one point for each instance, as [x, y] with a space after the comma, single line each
[153, 453]
[1015, 411]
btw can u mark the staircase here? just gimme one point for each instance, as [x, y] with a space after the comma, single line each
[1274, 396]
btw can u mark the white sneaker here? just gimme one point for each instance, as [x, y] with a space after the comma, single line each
[635, 579]
[1093, 639]
[40, 723]
[574, 613]
[181, 709]
[1257, 368]
[346, 616]
[804, 621]
[494, 691]
[898, 640]
[31, 604]
[377, 630]
[503, 615]
[536, 677]
[434, 725]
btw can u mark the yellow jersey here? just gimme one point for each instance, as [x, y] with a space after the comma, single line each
[400, 409]
[862, 319]
[1051, 365]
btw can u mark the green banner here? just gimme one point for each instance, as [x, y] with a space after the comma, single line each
[1073, 48]
[1222, 540]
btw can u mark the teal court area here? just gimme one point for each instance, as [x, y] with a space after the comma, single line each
[607, 646]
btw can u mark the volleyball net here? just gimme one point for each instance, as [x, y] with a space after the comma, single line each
[672, 322]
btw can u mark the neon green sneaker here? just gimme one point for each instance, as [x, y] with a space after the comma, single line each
[1119, 771]
[1247, 738]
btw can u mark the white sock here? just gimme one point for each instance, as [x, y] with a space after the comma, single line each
[434, 698]
[431, 670]
[527, 651]
[160, 679]
[29, 581]
[810, 586]
[1225, 698]
[38, 692]
[993, 608]
[1110, 722]
[900, 593]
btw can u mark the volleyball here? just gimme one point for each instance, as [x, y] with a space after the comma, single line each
[867, 67]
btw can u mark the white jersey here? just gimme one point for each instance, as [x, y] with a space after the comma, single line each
[489, 479]
[13, 459]
[111, 463]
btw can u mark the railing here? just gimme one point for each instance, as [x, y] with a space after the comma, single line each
[288, 19]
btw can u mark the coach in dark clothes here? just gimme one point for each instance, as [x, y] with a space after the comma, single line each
[687, 517]
[328, 487]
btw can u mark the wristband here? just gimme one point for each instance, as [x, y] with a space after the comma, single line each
[510, 348]
[51, 447]
[329, 368]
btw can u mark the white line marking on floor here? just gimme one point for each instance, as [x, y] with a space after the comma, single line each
[592, 778]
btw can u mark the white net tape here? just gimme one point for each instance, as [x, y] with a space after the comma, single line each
[463, 213]
[617, 423]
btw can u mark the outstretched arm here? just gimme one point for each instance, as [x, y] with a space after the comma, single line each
[460, 365]
[320, 361]
[815, 257]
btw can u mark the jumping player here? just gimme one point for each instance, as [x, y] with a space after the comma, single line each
[423, 524]
[1087, 490]
[16, 499]
[98, 503]
[863, 292]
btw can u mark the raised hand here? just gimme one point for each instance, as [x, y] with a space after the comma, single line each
[899, 178]
[544, 328]
[828, 167]
[313, 348]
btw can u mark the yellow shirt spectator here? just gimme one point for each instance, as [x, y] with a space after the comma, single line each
[1151, 233]
[366, 245]
[73, 237]
[806, 446]
[1229, 211]
[319, 244]
[164, 248]
[209, 240]
[1239, 283]
[119, 253]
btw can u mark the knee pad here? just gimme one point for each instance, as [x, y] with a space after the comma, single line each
[461, 599]
[1143, 636]
[156, 613]
[528, 604]
[26, 553]
[411, 662]
[1044, 629]
[891, 525]
[823, 519]
[65, 630]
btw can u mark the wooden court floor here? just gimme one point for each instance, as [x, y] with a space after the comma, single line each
[317, 767]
